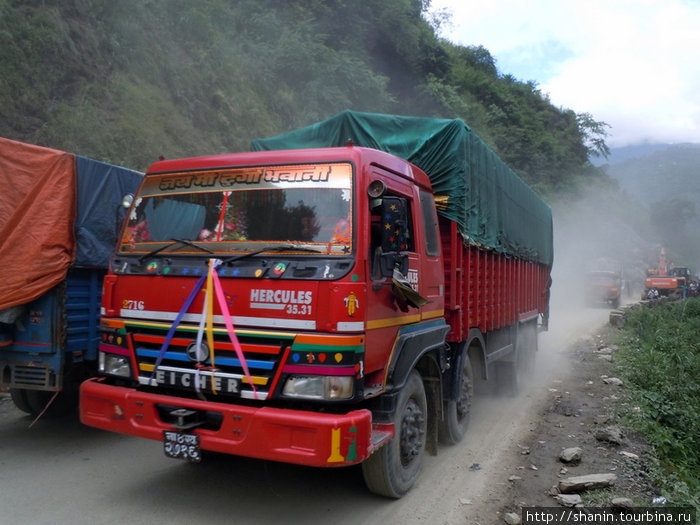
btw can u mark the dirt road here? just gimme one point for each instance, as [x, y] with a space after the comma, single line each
[59, 472]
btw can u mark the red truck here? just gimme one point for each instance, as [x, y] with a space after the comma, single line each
[320, 302]
[604, 282]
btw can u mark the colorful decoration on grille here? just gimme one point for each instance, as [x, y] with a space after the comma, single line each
[206, 326]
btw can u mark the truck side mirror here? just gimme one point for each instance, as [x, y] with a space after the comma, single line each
[127, 200]
[388, 261]
[122, 210]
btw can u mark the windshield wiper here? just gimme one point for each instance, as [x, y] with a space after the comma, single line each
[278, 248]
[190, 243]
[169, 245]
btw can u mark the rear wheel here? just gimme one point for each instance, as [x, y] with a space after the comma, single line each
[528, 351]
[512, 375]
[393, 469]
[35, 402]
[19, 398]
[455, 421]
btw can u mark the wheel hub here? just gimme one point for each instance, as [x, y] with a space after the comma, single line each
[412, 432]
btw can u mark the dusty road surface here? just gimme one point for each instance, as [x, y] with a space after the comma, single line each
[59, 472]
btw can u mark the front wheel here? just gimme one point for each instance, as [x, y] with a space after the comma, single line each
[393, 469]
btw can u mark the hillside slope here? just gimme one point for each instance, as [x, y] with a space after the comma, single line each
[127, 81]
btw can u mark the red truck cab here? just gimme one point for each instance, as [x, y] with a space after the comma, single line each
[305, 245]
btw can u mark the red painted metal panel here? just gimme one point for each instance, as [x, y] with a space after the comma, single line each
[293, 436]
[488, 290]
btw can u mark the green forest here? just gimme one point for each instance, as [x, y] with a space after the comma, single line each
[128, 81]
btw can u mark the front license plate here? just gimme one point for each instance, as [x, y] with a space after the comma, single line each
[181, 446]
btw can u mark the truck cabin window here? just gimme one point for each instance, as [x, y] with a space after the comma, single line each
[391, 236]
[314, 215]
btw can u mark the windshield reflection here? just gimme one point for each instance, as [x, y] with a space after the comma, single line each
[239, 221]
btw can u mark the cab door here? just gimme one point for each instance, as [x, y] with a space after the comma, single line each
[391, 248]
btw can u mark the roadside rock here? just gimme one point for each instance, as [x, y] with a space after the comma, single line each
[577, 484]
[571, 455]
[611, 434]
[613, 381]
[568, 500]
[601, 419]
[576, 407]
[617, 318]
[622, 503]
[512, 518]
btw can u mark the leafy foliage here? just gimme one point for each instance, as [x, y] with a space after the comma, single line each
[131, 80]
[660, 361]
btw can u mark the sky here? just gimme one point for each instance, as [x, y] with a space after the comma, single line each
[634, 64]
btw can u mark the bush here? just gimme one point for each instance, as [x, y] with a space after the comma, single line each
[660, 362]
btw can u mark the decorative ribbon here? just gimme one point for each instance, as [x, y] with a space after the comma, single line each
[186, 306]
[198, 343]
[209, 300]
[222, 216]
[231, 333]
[206, 324]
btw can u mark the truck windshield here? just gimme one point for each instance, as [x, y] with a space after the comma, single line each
[238, 210]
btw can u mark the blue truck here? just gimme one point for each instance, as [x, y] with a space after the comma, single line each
[59, 218]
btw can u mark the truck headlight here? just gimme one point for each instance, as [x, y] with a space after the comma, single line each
[113, 364]
[319, 387]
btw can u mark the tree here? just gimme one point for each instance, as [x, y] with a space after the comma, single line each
[594, 133]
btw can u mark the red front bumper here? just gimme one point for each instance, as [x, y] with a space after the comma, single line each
[291, 436]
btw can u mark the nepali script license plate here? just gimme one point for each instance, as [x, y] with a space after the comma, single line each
[181, 446]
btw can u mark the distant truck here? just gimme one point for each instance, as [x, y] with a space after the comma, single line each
[321, 302]
[59, 216]
[604, 283]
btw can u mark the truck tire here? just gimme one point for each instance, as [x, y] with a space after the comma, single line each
[34, 402]
[393, 469]
[528, 352]
[19, 398]
[512, 375]
[455, 420]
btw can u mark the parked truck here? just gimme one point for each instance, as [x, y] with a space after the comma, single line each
[58, 228]
[326, 299]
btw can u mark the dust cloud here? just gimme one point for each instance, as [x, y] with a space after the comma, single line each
[600, 224]
[594, 226]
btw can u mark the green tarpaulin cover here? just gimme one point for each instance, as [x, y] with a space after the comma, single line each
[492, 206]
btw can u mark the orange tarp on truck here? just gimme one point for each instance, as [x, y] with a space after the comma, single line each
[37, 212]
